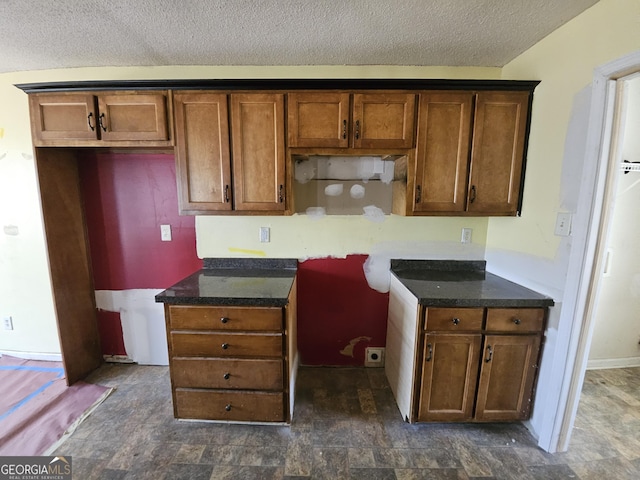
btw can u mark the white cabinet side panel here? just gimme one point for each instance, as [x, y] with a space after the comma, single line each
[401, 345]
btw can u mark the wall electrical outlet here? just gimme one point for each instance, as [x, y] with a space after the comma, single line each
[466, 235]
[7, 322]
[374, 357]
[265, 234]
[165, 233]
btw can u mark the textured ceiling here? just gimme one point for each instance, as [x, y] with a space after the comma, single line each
[37, 34]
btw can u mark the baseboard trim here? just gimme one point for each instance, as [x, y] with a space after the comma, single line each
[613, 363]
[47, 357]
[117, 359]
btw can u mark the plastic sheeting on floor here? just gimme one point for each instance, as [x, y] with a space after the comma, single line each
[36, 406]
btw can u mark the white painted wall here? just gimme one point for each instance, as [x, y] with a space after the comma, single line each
[617, 318]
[525, 249]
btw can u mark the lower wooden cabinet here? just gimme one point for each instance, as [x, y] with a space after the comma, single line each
[452, 364]
[509, 366]
[449, 377]
[231, 363]
[485, 371]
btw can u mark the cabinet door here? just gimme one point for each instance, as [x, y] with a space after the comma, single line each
[63, 117]
[449, 377]
[203, 164]
[442, 151]
[133, 116]
[257, 133]
[507, 375]
[318, 120]
[498, 152]
[383, 120]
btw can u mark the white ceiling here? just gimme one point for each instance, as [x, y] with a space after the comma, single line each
[37, 34]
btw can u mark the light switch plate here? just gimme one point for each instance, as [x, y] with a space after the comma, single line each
[563, 224]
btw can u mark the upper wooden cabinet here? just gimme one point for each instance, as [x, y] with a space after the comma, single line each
[203, 160]
[257, 134]
[497, 154]
[442, 151]
[100, 119]
[470, 152]
[375, 120]
[230, 159]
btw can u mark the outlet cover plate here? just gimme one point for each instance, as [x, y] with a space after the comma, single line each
[374, 357]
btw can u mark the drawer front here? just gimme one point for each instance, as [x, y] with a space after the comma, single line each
[225, 318]
[247, 374]
[229, 405]
[453, 319]
[222, 344]
[515, 319]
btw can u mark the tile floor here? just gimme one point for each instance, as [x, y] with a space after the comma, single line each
[346, 426]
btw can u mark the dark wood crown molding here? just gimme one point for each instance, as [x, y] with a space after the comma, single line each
[280, 84]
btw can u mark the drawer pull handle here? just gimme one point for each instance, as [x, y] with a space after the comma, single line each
[226, 376]
[517, 321]
[344, 129]
[225, 346]
[490, 352]
[228, 407]
[472, 197]
[430, 355]
[101, 121]
[456, 321]
[224, 319]
[93, 129]
[357, 129]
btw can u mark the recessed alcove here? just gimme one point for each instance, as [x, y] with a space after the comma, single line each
[347, 185]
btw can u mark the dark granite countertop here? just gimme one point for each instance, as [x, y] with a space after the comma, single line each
[235, 282]
[452, 283]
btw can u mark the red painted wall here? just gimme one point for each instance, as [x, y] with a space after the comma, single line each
[127, 197]
[339, 315]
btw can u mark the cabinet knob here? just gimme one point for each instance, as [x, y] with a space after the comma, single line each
[225, 346]
[224, 319]
[226, 376]
[517, 321]
[456, 321]
[228, 407]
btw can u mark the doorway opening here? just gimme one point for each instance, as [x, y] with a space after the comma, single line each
[601, 160]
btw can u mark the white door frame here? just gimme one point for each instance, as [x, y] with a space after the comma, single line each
[590, 223]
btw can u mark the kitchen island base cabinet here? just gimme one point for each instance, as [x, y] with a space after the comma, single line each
[231, 363]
